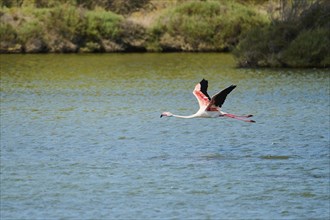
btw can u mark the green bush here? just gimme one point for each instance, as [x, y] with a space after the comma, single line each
[31, 29]
[64, 21]
[300, 41]
[7, 33]
[102, 24]
[91, 47]
[262, 46]
[250, 50]
[211, 25]
[309, 49]
[127, 6]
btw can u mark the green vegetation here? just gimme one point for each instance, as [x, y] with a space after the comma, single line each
[60, 29]
[204, 26]
[261, 33]
[108, 25]
[299, 38]
[117, 6]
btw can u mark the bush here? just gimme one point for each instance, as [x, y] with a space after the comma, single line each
[8, 39]
[299, 41]
[127, 6]
[262, 46]
[309, 49]
[31, 29]
[102, 24]
[211, 25]
[60, 29]
[63, 21]
[7, 33]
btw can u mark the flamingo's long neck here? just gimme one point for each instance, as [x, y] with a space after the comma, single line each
[185, 116]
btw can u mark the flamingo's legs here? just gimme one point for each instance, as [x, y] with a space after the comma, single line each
[242, 118]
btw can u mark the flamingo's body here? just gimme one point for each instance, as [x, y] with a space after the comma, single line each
[210, 107]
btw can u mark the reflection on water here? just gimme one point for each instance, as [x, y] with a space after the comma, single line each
[81, 136]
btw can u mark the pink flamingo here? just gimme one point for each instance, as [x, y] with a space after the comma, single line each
[210, 107]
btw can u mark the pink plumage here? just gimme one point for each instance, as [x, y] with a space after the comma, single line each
[210, 107]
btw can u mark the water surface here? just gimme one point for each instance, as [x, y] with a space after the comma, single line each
[81, 137]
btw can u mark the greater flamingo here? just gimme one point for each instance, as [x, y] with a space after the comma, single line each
[210, 107]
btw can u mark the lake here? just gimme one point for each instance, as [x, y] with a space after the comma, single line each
[81, 138]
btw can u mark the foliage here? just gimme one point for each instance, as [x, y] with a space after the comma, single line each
[61, 23]
[199, 26]
[117, 6]
[294, 40]
[190, 26]
[309, 49]
[127, 6]
[7, 32]
[102, 24]
[32, 29]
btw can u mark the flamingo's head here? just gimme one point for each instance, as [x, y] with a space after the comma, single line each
[166, 114]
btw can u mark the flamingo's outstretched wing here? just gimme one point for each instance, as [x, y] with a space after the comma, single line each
[200, 93]
[218, 99]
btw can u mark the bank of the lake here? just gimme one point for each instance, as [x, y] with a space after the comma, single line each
[260, 33]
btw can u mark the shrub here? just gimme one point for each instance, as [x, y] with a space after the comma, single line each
[211, 25]
[118, 6]
[91, 47]
[301, 40]
[262, 46]
[31, 29]
[64, 21]
[102, 24]
[127, 6]
[309, 49]
[7, 33]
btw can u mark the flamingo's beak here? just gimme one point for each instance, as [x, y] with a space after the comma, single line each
[161, 115]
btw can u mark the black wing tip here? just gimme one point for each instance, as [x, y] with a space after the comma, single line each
[231, 88]
[204, 83]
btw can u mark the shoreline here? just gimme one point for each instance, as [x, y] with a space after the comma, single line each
[248, 31]
[172, 52]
